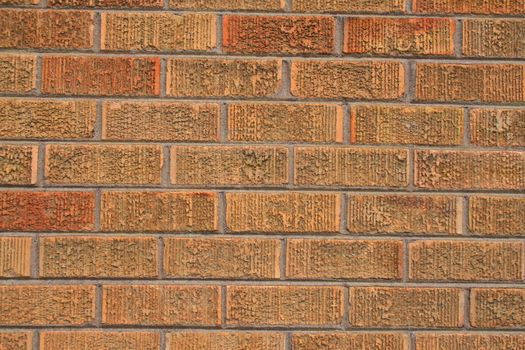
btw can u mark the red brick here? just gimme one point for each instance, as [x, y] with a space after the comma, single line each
[349, 6]
[497, 308]
[225, 340]
[17, 73]
[18, 164]
[482, 7]
[99, 340]
[497, 127]
[16, 340]
[497, 216]
[263, 5]
[107, 3]
[347, 340]
[470, 341]
[493, 38]
[15, 257]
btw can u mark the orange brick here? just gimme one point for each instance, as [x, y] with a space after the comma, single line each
[284, 305]
[352, 167]
[216, 77]
[496, 83]
[493, 38]
[469, 341]
[278, 34]
[222, 258]
[161, 305]
[404, 214]
[18, 164]
[399, 36]
[405, 125]
[16, 340]
[319, 123]
[284, 212]
[158, 211]
[15, 257]
[95, 340]
[55, 305]
[406, 307]
[46, 29]
[19, 2]
[229, 165]
[349, 6]
[106, 76]
[225, 340]
[483, 7]
[497, 308]
[497, 216]
[98, 257]
[346, 340]
[497, 127]
[107, 3]
[355, 80]
[103, 164]
[158, 31]
[486, 170]
[344, 259]
[17, 74]
[46, 211]
[264, 5]
[466, 261]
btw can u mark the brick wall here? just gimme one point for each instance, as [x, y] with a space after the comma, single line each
[262, 174]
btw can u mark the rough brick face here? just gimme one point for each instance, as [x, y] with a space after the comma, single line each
[497, 127]
[59, 340]
[17, 73]
[494, 38]
[15, 340]
[223, 340]
[345, 340]
[497, 308]
[483, 7]
[18, 164]
[497, 216]
[15, 257]
[465, 341]
[349, 6]
[264, 5]
[107, 3]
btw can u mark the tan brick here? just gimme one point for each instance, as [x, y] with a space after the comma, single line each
[17, 73]
[105, 76]
[469, 341]
[496, 83]
[278, 34]
[225, 340]
[346, 340]
[107, 3]
[352, 167]
[95, 340]
[318, 123]
[485, 170]
[15, 257]
[497, 127]
[355, 80]
[343, 259]
[404, 214]
[158, 31]
[48, 29]
[16, 340]
[264, 5]
[497, 216]
[466, 261]
[46, 211]
[98, 257]
[222, 258]
[483, 7]
[229, 165]
[284, 212]
[47, 119]
[216, 77]
[497, 308]
[493, 38]
[158, 211]
[406, 307]
[19, 2]
[349, 6]
[47, 305]
[399, 36]
[103, 164]
[284, 305]
[161, 305]
[18, 164]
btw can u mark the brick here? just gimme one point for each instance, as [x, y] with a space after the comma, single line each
[161, 305]
[47, 119]
[229, 165]
[108, 3]
[265, 122]
[343, 259]
[38, 29]
[18, 164]
[215, 77]
[496, 216]
[263, 5]
[96, 340]
[19, 2]
[354, 80]
[16, 340]
[284, 305]
[349, 6]
[493, 170]
[284, 212]
[98, 257]
[278, 34]
[493, 38]
[225, 340]
[405, 214]
[352, 167]
[484, 83]
[497, 127]
[17, 74]
[406, 125]
[399, 36]
[497, 308]
[466, 261]
[55, 305]
[379, 307]
[346, 340]
[159, 211]
[235, 258]
[158, 31]
[469, 341]
[103, 164]
[105, 76]
[483, 7]
[15, 257]
[46, 211]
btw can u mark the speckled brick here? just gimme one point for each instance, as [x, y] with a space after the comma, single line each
[108, 3]
[349, 6]
[494, 38]
[470, 341]
[497, 127]
[18, 164]
[16, 340]
[17, 73]
[15, 257]
[225, 340]
[99, 340]
[482, 7]
[497, 216]
[347, 340]
[497, 308]
[253, 5]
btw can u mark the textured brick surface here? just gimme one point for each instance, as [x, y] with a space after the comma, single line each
[60, 340]
[17, 73]
[472, 341]
[19, 2]
[264, 5]
[108, 3]
[223, 340]
[18, 164]
[497, 308]
[15, 340]
[497, 127]
[15, 257]
[349, 6]
[483, 7]
[340, 340]
[494, 38]
[496, 216]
